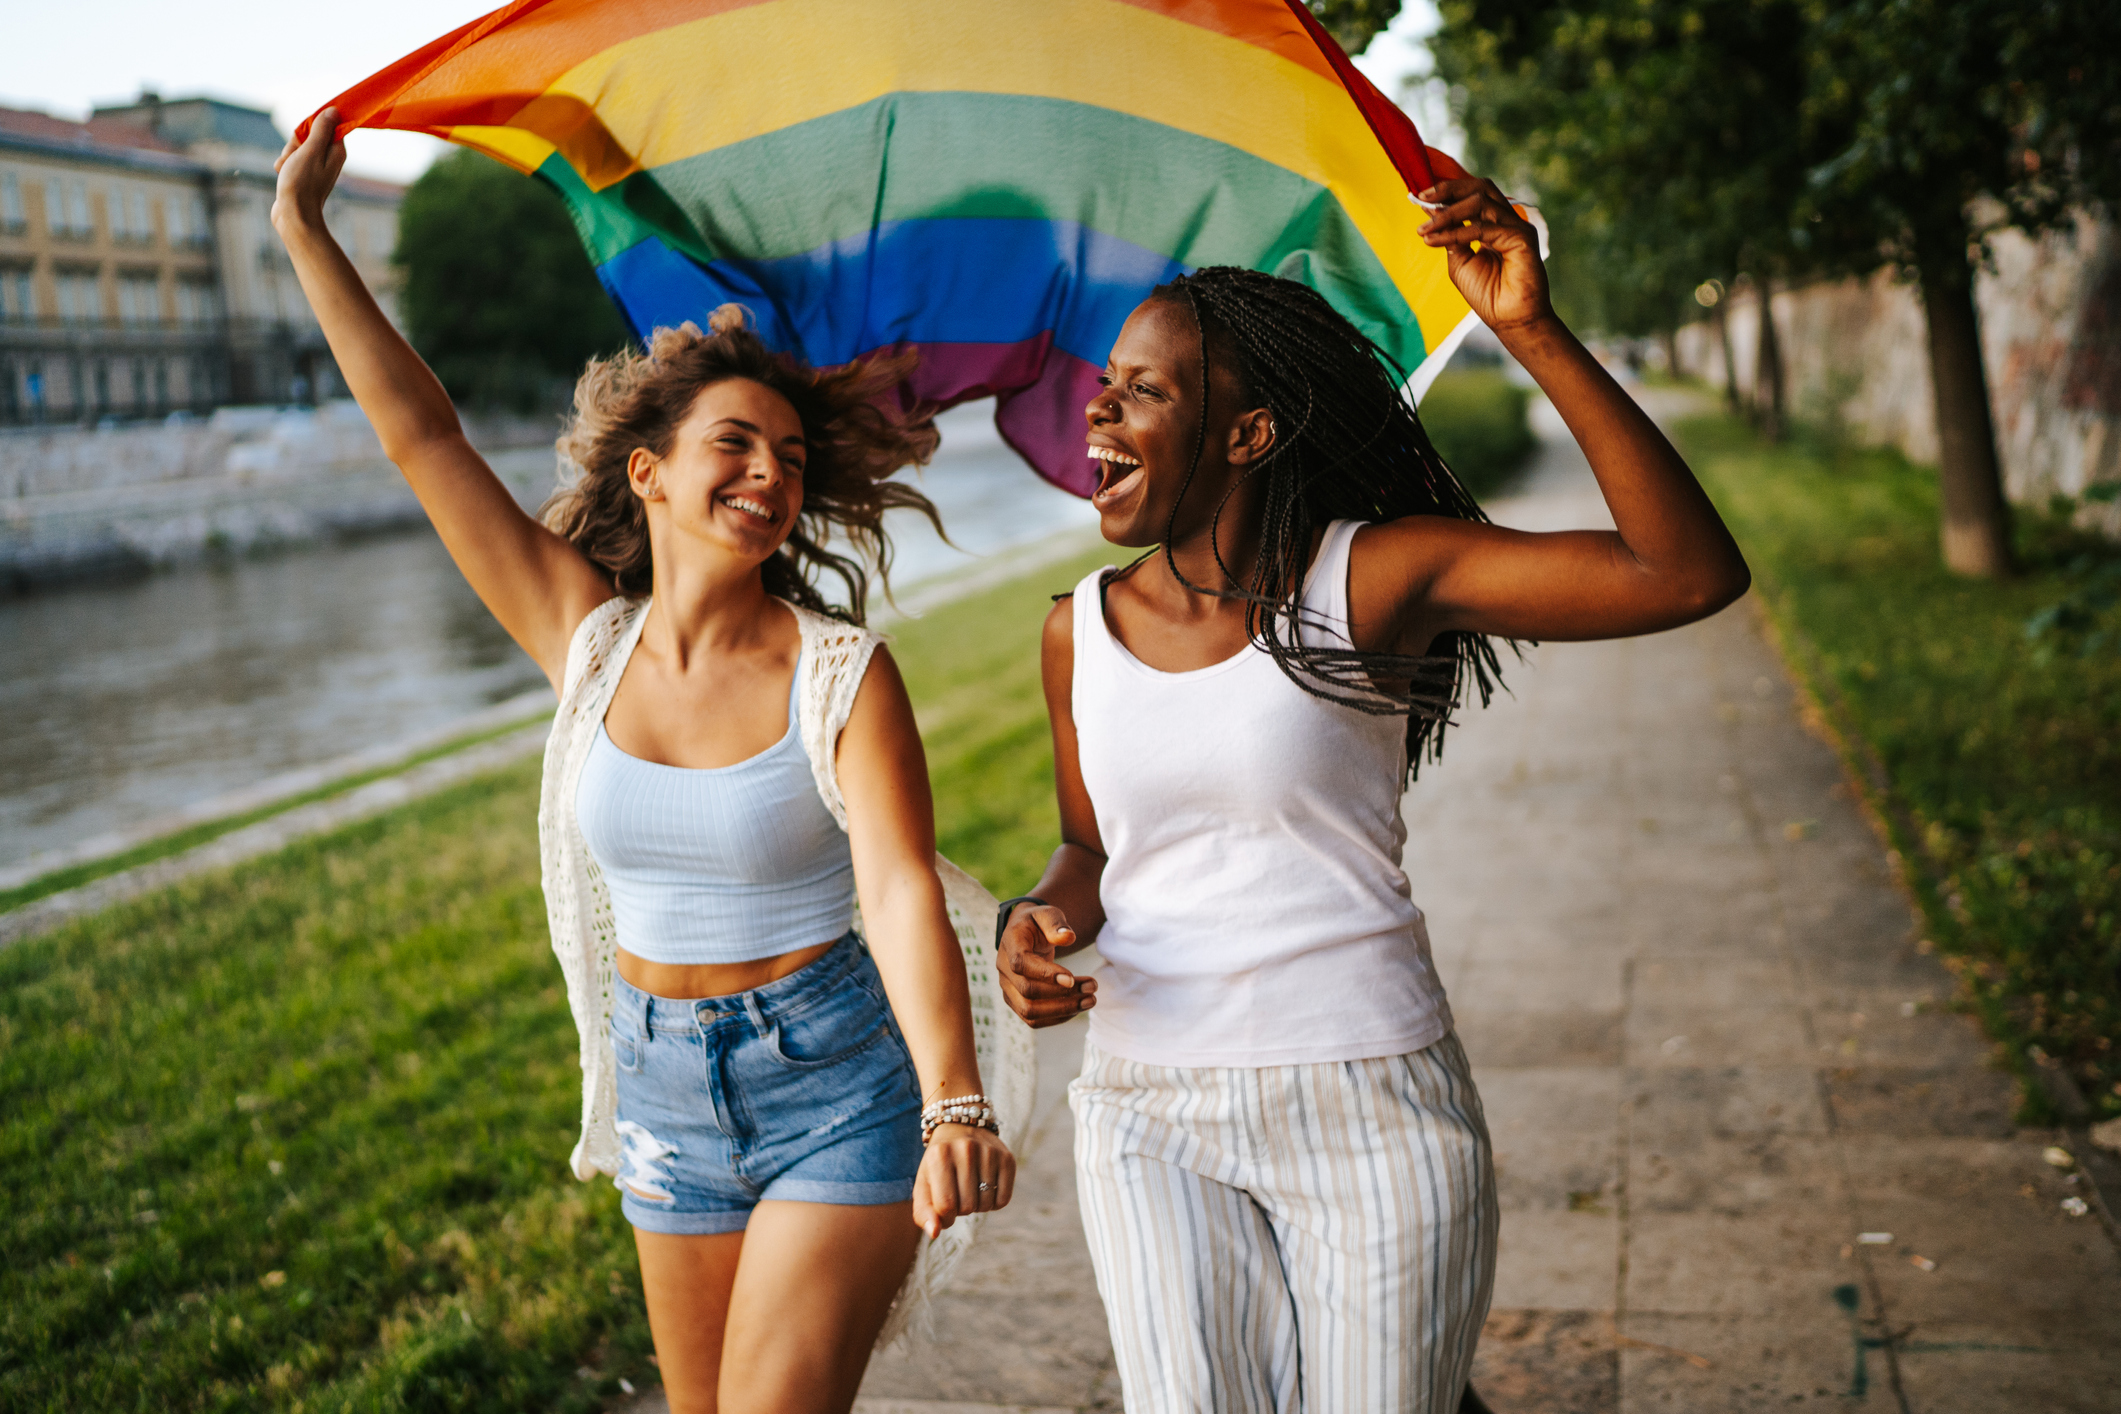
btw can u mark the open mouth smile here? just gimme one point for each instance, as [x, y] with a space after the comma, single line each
[1118, 474]
[749, 507]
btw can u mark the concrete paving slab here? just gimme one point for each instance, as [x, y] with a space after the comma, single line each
[1778, 1258]
[1943, 1380]
[1548, 1360]
[1691, 1037]
[1681, 1105]
[1582, 980]
[1684, 1364]
[1545, 1154]
[1512, 1039]
[1964, 1102]
[1556, 1260]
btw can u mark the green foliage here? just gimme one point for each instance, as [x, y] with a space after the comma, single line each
[1672, 141]
[499, 297]
[1476, 420]
[2004, 759]
[295, 1135]
[1918, 107]
[1661, 138]
[1355, 22]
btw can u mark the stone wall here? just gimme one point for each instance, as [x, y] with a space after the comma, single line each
[79, 503]
[1856, 352]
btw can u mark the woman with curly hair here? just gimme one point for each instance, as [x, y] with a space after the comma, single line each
[1282, 1162]
[732, 763]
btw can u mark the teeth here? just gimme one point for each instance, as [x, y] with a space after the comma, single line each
[743, 503]
[1109, 455]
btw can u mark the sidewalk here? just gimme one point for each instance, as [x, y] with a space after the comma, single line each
[1713, 1055]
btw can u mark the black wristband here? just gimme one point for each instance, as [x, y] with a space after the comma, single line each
[1001, 918]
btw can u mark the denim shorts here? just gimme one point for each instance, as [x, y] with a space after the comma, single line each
[799, 1091]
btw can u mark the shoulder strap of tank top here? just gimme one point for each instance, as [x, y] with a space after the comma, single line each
[1326, 586]
[1089, 602]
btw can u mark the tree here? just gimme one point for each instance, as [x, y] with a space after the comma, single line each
[499, 297]
[1677, 140]
[1354, 23]
[1664, 140]
[1952, 120]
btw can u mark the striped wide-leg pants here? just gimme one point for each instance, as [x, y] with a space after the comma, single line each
[1299, 1237]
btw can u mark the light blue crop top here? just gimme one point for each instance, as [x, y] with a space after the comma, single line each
[725, 864]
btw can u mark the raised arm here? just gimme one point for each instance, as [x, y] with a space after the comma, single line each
[1668, 561]
[535, 582]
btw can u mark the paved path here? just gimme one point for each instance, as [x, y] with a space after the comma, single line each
[1713, 1054]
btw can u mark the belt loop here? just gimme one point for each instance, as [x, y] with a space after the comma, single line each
[631, 1004]
[757, 1013]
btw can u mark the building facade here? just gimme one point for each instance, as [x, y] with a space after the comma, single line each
[139, 272]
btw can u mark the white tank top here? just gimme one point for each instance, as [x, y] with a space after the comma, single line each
[1255, 910]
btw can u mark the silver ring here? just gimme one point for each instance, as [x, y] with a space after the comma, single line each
[985, 1186]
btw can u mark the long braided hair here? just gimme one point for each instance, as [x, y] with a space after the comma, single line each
[1348, 446]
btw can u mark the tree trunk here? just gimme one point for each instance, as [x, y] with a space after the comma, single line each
[1671, 353]
[1977, 526]
[1767, 370]
[1730, 364]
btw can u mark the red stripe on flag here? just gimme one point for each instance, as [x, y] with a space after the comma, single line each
[1394, 129]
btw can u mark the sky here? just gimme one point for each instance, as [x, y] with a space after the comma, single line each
[290, 58]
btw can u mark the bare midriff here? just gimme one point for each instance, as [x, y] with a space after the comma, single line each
[684, 981]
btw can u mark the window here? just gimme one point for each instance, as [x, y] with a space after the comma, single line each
[200, 229]
[12, 217]
[140, 299]
[173, 219]
[66, 208]
[80, 297]
[121, 226]
[143, 227]
[195, 302]
[17, 305]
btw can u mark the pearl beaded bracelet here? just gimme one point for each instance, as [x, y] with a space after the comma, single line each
[972, 1110]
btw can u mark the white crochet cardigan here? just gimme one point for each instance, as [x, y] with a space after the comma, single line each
[578, 907]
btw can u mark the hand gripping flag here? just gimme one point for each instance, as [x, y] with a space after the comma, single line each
[998, 182]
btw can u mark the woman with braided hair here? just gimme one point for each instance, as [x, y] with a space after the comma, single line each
[1283, 1166]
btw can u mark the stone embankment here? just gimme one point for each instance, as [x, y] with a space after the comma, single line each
[78, 503]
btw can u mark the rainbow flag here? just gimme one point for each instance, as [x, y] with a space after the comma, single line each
[996, 181]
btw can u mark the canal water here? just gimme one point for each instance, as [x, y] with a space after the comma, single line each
[126, 702]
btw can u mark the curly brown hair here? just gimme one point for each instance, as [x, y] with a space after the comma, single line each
[639, 399]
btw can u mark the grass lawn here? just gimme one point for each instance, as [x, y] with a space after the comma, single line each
[2001, 750]
[294, 1135]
